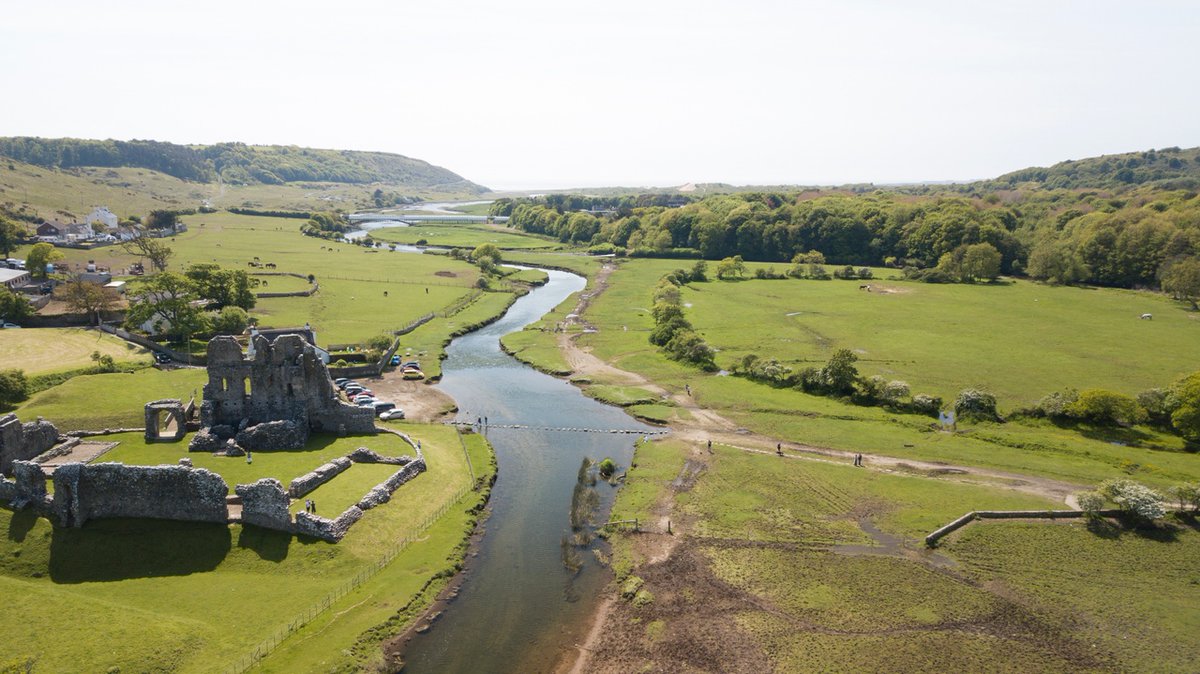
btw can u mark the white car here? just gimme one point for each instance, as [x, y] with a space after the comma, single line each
[396, 413]
[8, 326]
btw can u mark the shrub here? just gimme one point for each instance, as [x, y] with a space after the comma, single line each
[927, 404]
[1091, 502]
[845, 273]
[865, 274]
[1135, 499]
[975, 404]
[1054, 406]
[1187, 495]
[1106, 408]
[607, 467]
[13, 387]
[380, 342]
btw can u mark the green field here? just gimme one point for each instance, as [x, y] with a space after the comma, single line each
[1079, 454]
[96, 401]
[166, 593]
[350, 307]
[800, 562]
[450, 235]
[45, 350]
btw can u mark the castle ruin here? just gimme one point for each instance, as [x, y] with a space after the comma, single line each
[272, 400]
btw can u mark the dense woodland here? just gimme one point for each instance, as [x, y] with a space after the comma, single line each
[1128, 237]
[235, 163]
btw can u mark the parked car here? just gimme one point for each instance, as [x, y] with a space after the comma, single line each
[347, 383]
[396, 413]
[161, 357]
[382, 406]
[413, 364]
[339, 381]
[365, 402]
[413, 373]
[364, 392]
[395, 360]
[354, 388]
[8, 326]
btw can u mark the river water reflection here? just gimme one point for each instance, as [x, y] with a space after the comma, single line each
[519, 608]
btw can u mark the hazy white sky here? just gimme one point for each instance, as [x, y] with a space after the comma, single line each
[558, 93]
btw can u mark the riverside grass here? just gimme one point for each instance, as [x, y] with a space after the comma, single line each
[1082, 454]
[167, 593]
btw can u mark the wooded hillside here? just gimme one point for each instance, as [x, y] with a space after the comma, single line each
[237, 163]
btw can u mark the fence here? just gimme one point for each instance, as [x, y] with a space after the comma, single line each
[266, 646]
[932, 539]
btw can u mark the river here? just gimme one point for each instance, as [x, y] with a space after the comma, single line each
[519, 609]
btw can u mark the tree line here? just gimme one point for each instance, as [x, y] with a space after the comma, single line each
[1127, 239]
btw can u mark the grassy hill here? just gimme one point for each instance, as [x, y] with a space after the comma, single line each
[1170, 168]
[236, 163]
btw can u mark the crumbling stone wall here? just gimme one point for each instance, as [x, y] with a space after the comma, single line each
[382, 493]
[90, 491]
[285, 434]
[21, 442]
[284, 381]
[326, 529]
[309, 481]
[265, 504]
[365, 455]
[170, 406]
[30, 486]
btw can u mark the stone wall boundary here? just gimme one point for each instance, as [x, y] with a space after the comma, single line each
[932, 539]
[153, 345]
[313, 288]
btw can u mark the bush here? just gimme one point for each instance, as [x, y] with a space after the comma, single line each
[13, 387]
[380, 342]
[927, 405]
[1187, 495]
[607, 467]
[975, 404]
[1054, 406]
[1135, 499]
[1106, 408]
[1091, 502]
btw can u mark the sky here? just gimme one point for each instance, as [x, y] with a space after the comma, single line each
[527, 94]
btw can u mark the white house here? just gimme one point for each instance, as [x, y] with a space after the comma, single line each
[102, 215]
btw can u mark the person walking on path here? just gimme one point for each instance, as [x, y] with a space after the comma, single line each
[779, 448]
[710, 447]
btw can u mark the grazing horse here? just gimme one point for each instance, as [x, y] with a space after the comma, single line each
[1147, 317]
[866, 287]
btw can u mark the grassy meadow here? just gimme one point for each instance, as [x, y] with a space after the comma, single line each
[451, 235]
[168, 593]
[721, 310]
[46, 350]
[808, 566]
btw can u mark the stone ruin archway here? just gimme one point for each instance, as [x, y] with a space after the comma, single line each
[176, 426]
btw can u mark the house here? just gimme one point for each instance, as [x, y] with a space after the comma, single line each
[50, 229]
[102, 215]
[14, 278]
[78, 232]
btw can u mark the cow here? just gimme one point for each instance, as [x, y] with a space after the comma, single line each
[1147, 317]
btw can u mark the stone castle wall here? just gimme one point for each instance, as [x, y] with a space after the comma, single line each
[21, 442]
[265, 504]
[89, 491]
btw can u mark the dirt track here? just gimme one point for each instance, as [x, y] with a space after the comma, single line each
[661, 550]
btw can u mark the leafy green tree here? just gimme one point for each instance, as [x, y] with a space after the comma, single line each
[1090, 502]
[699, 272]
[981, 261]
[731, 267]
[86, 297]
[1186, 415]
[13, 387]
[10, 235]
[166, 303]
[150, 248]
[224, 287]
[39, 256]
[839, 374]
[162, 219]
[14, 307]
[1181, 278]
[230, 320]
[489, 250]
